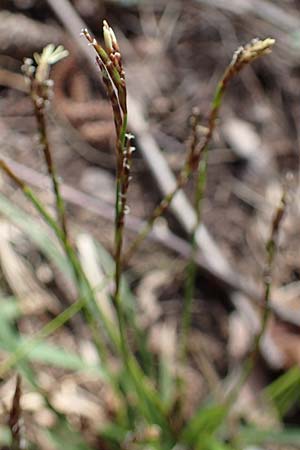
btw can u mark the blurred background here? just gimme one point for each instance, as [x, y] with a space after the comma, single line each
[174, 53]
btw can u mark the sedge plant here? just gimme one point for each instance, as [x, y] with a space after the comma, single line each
[146, 421]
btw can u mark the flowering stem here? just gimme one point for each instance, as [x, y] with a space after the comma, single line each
[119, 232]
[43, 138]
[242, 57]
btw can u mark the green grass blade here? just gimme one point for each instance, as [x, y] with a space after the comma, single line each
[9, 309]
[205, 423]
[55, 356]
[21, 348]
[37, 234]
[41, 351]
[284, 392]
[211, 443]
[5, 436]
[256, 436]
[62, 436]
[166, 382]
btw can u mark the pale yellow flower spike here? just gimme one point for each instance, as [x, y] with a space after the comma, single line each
[253, 50]
[107, 37]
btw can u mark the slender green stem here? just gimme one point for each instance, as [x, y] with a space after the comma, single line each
[192, 267]
[44, 141]
[119, 233]
[148, 399]
[199, 192]
[123, 131]
[251, 360]
[113, 76]
[271, 249]
[241, 58]
[239, 61]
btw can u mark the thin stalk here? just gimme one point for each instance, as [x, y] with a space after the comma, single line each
[123, 179]
[242, 57]
[37, 74]
[271, 250]
[202, 160]
[120, 121]
[192, 266]
[44, 142]
[160, 209]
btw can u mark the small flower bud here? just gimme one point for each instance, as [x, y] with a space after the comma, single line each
[107, 37]
[114, 39]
